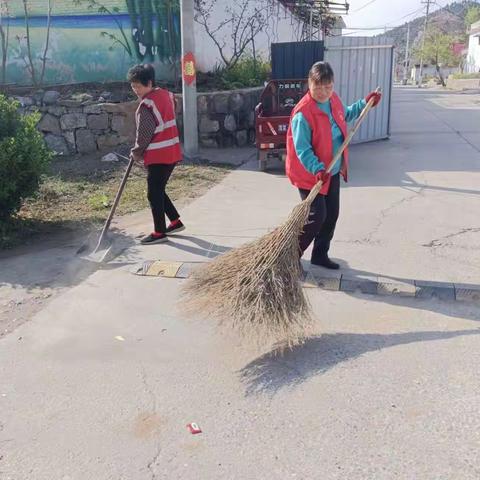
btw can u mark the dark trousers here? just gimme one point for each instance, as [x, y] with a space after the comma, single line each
[160, 204]
[321, 222]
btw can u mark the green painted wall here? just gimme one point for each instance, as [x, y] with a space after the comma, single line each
[88, 40]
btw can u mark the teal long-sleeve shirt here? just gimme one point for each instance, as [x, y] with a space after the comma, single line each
[302, 135]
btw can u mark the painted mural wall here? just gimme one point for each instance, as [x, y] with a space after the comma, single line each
[70, 41]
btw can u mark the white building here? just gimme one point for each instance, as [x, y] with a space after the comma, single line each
[472, 64]
[279, 25]
[430, 71]
[337, 29]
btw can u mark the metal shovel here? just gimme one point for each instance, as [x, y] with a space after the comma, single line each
[97, 250]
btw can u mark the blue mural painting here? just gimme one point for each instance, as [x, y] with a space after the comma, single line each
[94, 42]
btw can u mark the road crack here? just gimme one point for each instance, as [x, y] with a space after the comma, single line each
[443, 241]
[153, 399]
[368, 239]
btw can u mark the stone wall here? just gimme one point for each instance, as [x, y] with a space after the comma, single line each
[82, 125]
[226, 119]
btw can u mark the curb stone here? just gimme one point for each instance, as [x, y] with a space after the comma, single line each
[410, 288]
[400, 288]
[372, 285]
[365, 284]
[467, 292]
[443, 291]
[326, 280]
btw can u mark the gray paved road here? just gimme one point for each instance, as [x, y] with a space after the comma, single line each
[101, 383]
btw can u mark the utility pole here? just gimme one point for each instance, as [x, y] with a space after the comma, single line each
[189, 79]
[427, 2]
[405, 71]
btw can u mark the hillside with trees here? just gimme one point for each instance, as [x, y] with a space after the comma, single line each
[452, 21]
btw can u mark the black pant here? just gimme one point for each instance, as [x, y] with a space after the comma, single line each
[322, 219]
[160, 204]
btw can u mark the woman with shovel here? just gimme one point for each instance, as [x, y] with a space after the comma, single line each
[157, 146]
[317, 130]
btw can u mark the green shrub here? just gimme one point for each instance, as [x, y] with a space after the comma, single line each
[248, 72]
[24, 157]
[99, 201]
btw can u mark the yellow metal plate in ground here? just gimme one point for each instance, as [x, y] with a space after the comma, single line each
[160, 268]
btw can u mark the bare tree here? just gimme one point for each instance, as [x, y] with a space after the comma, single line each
[4, 36]
[30, 65]
[44, 57]
[243, 21]
[27, 54]
[121, 40]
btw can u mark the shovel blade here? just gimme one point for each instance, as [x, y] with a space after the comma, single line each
[98, 255]
[95, 249]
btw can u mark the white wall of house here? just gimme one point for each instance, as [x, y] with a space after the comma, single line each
[430, 71]
[282, 27]
[472, 64]
[337, 29]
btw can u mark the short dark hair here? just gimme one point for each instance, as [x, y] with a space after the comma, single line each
[321, 73]
[142, 73]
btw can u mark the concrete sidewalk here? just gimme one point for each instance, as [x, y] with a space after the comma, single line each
[102, 382]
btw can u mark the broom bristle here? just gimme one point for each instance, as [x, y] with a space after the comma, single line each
[255, 289]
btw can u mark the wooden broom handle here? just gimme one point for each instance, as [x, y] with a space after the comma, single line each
[318, 186]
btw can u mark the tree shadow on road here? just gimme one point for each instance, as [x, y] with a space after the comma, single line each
[281, 368]
[202, 247]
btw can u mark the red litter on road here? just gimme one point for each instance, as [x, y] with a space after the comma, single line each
[194, 428]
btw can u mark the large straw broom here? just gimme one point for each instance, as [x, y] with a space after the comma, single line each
[255, 289]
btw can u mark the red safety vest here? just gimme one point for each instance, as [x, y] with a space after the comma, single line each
[322, 141]
[165, 144]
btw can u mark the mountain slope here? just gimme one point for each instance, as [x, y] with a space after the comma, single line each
[450, 19]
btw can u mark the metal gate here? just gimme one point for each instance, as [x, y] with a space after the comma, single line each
[360, 65]
[294, 59]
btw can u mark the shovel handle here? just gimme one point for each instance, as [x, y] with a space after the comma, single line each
[116, 201]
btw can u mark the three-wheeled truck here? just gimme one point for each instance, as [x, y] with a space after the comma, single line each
[272, 117]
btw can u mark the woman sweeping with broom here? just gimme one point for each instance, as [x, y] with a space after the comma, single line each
[317, 130]
[256, 289]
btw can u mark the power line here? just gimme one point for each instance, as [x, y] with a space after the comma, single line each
[408, 15]
[365, 28]
[363, 6]
[388, 24]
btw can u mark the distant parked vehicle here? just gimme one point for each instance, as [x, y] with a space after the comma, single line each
[272, 117]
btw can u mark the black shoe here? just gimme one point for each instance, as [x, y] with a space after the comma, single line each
[326, 262]
[176, 226]
[154, 238]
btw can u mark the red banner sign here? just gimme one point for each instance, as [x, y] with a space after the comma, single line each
[189, 70]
